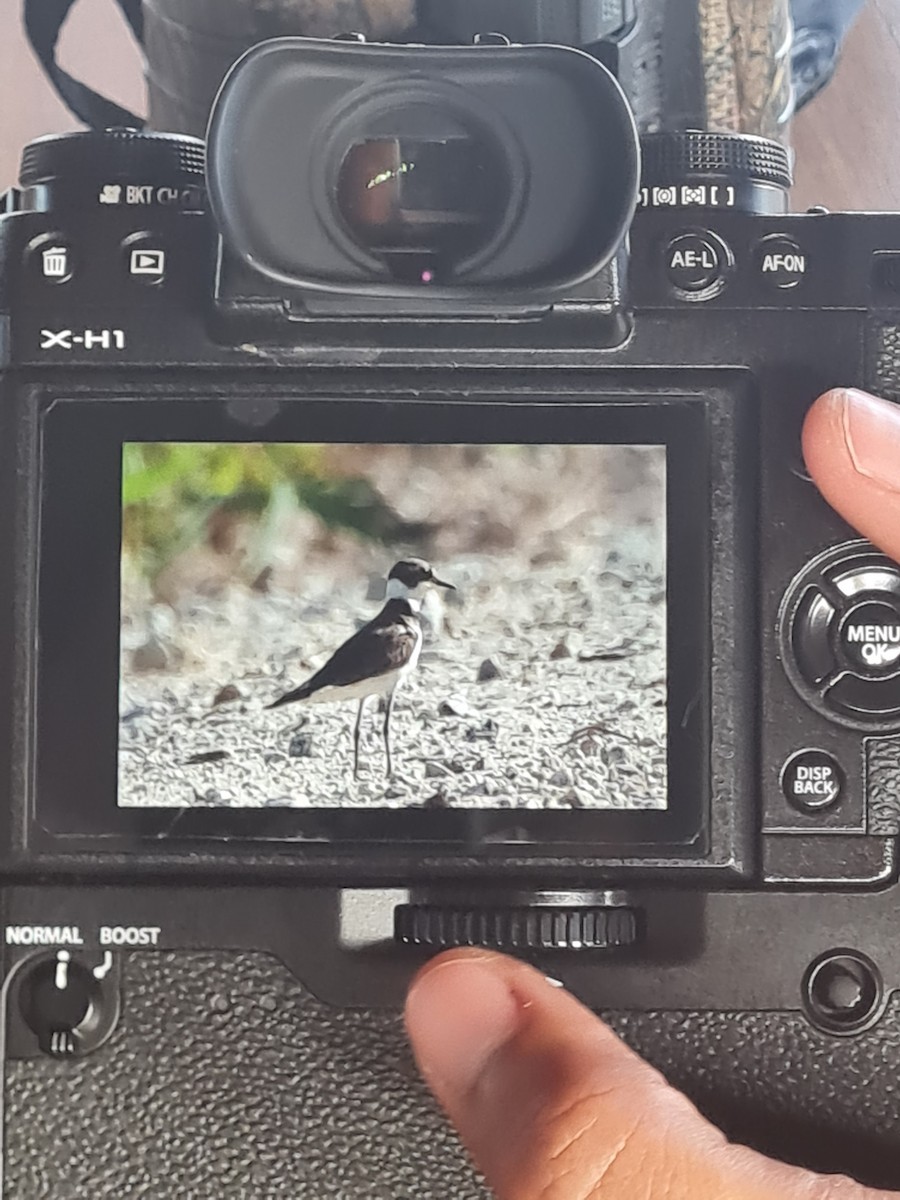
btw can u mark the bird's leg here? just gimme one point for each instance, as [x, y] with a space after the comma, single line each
[356, 732]
[388, 709]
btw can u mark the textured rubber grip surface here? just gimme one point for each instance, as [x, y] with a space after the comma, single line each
[884, 364]
[227, 1080]
[883, 786]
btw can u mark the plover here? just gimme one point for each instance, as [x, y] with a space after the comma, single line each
[376, 659]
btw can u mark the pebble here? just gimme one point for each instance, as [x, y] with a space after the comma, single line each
[135, 714]
[262, 584]
[435, 770]
[454, 706]
[561, 778]
[486, 732]
[152, 656]
[574, 799]
[561, 650]
[438, 800]
[226, 694]
[488, 671]
[543, 558]
[301, 745]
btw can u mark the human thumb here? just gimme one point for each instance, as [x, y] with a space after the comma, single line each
[553, 1106]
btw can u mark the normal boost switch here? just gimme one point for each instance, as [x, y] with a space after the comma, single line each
[69, 1006]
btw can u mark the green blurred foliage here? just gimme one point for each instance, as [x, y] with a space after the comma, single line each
[171, 489]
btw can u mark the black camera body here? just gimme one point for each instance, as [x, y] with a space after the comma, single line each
[203, 999]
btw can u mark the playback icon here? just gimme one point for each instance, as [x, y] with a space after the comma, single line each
[149, 263]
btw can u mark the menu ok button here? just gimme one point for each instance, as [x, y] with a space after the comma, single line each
[870, 638]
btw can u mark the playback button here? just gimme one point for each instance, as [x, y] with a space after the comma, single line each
[145, 259]
[696, 264]
[812, 781]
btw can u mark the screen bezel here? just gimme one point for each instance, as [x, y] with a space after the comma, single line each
[77, 686]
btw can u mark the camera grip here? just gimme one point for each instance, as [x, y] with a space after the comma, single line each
[226, 1078]
[884, 344]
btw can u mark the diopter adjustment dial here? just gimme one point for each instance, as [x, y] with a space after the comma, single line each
[525, 928]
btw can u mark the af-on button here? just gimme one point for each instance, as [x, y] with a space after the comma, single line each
[696, 264]
[780, 263]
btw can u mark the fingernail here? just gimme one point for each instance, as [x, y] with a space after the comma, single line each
[871, 429]
[459, 1015]
[554, 982]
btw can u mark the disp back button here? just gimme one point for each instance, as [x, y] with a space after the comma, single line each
[812, 781]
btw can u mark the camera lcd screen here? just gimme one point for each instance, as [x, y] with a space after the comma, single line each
[224, 552]
[356, 626]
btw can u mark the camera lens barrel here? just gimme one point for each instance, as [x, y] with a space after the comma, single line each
[690, 168]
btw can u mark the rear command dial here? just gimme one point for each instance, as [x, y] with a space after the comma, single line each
[840, 637]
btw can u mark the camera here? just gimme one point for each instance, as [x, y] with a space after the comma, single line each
[407, 544]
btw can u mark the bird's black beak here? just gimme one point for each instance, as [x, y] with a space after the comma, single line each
[451, 587]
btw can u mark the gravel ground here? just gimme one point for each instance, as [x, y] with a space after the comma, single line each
[539, 687]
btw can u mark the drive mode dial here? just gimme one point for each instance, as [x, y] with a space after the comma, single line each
[114, 169]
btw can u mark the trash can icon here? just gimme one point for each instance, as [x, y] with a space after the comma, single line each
[56, 262]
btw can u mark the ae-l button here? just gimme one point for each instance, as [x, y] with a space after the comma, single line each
[696, 264]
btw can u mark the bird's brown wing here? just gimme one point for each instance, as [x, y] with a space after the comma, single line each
[375, 650]
[384, 645]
